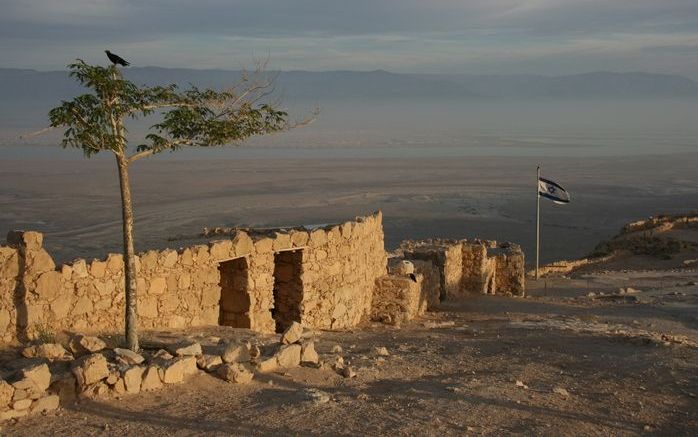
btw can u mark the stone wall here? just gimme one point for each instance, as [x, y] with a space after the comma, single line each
[467, 267]
[398, 299]
[337, 269]
[9, 282]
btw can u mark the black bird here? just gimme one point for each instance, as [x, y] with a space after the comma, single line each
[116, 59]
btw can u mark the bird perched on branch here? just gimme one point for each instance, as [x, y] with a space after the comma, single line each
[116, 59]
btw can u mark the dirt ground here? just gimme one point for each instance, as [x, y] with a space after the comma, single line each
[566, 360]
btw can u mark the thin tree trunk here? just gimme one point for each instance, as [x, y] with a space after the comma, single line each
[129, 254]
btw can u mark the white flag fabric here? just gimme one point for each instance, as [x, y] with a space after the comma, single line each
[552, 191]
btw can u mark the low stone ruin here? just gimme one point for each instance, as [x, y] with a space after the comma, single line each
[86, 368]
[445, 269]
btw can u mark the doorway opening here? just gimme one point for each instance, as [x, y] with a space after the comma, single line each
[288, 288]
[235, 299]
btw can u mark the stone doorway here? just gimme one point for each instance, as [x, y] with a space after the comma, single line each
[288, 288]
[235, 299]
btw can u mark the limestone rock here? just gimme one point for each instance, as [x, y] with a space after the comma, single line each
[177, 369]
[113, 377]
[186, 349]
[289, 356]
[235, 354]
[50, 351]
[268, 365]
[23, 404]
[129, 356]
[209, 362]
[64, 387]
[12, 414]
[90, 369]
[6, 393]
[34, 379]
[235, 372]
[382, 351]
[151, 379]
[308, 353]
[293, 334]
[120, 387]
[47, 403]
[133, 377]
[163, 355]
[83, 344]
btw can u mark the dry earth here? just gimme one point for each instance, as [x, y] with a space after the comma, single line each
[558, 362]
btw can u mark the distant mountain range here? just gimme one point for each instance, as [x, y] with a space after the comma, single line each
[19, 85]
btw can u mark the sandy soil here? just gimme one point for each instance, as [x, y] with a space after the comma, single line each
[484, 365]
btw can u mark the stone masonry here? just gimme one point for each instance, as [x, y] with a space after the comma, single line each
[323, 277]
[331, 277]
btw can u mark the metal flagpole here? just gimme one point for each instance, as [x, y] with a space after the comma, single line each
[537, 219]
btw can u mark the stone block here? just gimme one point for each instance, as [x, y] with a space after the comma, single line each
[79, 269]
[242, 244]
[47, 403]
[209, 362]
[49, 285]
[90, 370]
[12, 414]
[85, 344]
[289, 356]
[187, 348]
[82, 306]
[115, 262]
[268, 365]
[128, 356]
[151, 379]
[133, 377]
[264, 245]
[6, 393]
[157, 286]
[168, 258]
[220, 250]
[41, 261]
[23, 404]
[235, 372]
[235, 354]
[148, 307]
[50, 351]
[308, 353]
[292, 334]
[318, 237]
[299, 238]
[35, 378]
[98, 269]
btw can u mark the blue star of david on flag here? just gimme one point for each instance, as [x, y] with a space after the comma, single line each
[553, 191]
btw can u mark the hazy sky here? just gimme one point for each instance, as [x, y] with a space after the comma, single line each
[449, 36]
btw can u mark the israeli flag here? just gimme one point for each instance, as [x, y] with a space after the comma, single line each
[553, 191]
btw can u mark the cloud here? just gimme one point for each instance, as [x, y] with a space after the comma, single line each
[410, 35]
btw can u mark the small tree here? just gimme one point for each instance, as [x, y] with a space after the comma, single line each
[94, 122]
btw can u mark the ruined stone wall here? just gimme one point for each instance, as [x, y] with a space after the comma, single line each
[509, 270]
[470, 266]
[9, 281]
[182, 288]
[397, 299]
[340, 268]
[431, 283]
